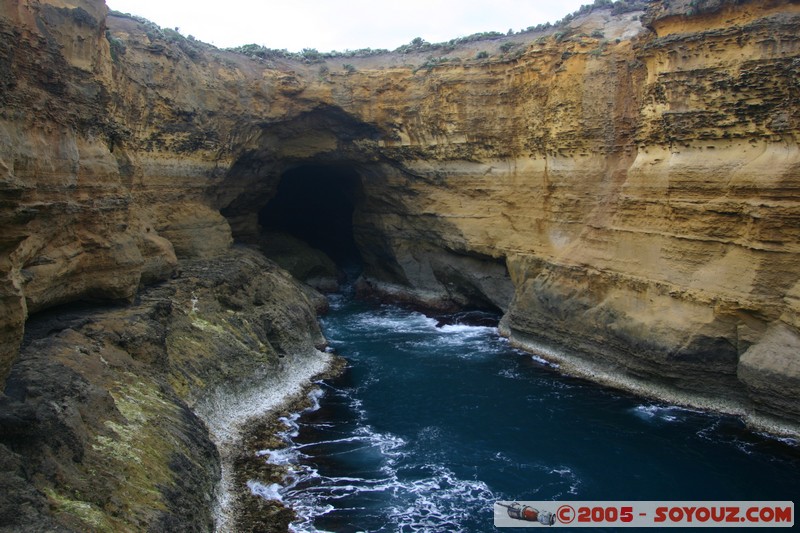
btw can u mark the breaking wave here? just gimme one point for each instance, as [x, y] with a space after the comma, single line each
[433, 422]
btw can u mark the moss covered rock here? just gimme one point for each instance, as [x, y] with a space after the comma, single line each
[100, 428]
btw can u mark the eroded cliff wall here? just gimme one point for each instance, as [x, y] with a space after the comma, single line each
[624, 188]
[116, 412]
[637, 177]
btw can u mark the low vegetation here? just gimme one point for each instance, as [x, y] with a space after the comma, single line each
[308, 55]
[417, 45]
[118, 47]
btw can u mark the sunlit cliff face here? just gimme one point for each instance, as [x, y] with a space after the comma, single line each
[626, 189]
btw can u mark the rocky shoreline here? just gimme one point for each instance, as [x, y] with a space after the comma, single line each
[251, 511]
[169, 398]
[241, 418]
[125, 418]
[625, 183]
[583, 366]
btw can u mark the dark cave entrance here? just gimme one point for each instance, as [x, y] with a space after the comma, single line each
[315, 203]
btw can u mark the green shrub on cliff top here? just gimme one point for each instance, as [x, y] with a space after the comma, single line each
[311, 55]
[308, 55]
[418, 44]
[625, 6]
[118, 47]
[81, 16]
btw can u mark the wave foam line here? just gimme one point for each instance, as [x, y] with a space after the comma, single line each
[229, 409]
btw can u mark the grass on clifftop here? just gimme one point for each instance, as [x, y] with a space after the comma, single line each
[417, 45]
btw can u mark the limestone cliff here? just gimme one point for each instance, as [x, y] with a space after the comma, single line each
[624, 188]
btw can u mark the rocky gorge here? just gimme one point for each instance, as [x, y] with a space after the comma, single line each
[623, 188]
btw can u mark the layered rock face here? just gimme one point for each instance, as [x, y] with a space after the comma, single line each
[629, 187]
[623, 188]
[634, 187]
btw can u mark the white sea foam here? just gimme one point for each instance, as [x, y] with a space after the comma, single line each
[544, 361]
[268, 492]
[468, 330]
[470, 341]
[508, 373]
[789, 441]
[315, 396]
[228, 410]
[440, 502]
[653, 412]
[383, 442]
[429, 497]
[434, 502]
[284, 456]
[661, 413]
[292, 427]
[568, 475]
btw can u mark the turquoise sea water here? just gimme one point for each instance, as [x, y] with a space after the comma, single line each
[430, 425]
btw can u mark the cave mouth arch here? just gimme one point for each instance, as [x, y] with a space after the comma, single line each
[315, 203]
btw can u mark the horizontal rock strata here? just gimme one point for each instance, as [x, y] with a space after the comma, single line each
[624, 188]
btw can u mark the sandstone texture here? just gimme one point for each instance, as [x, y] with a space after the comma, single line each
[624, 188]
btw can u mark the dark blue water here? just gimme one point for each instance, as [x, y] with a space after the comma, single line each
[430, 425]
